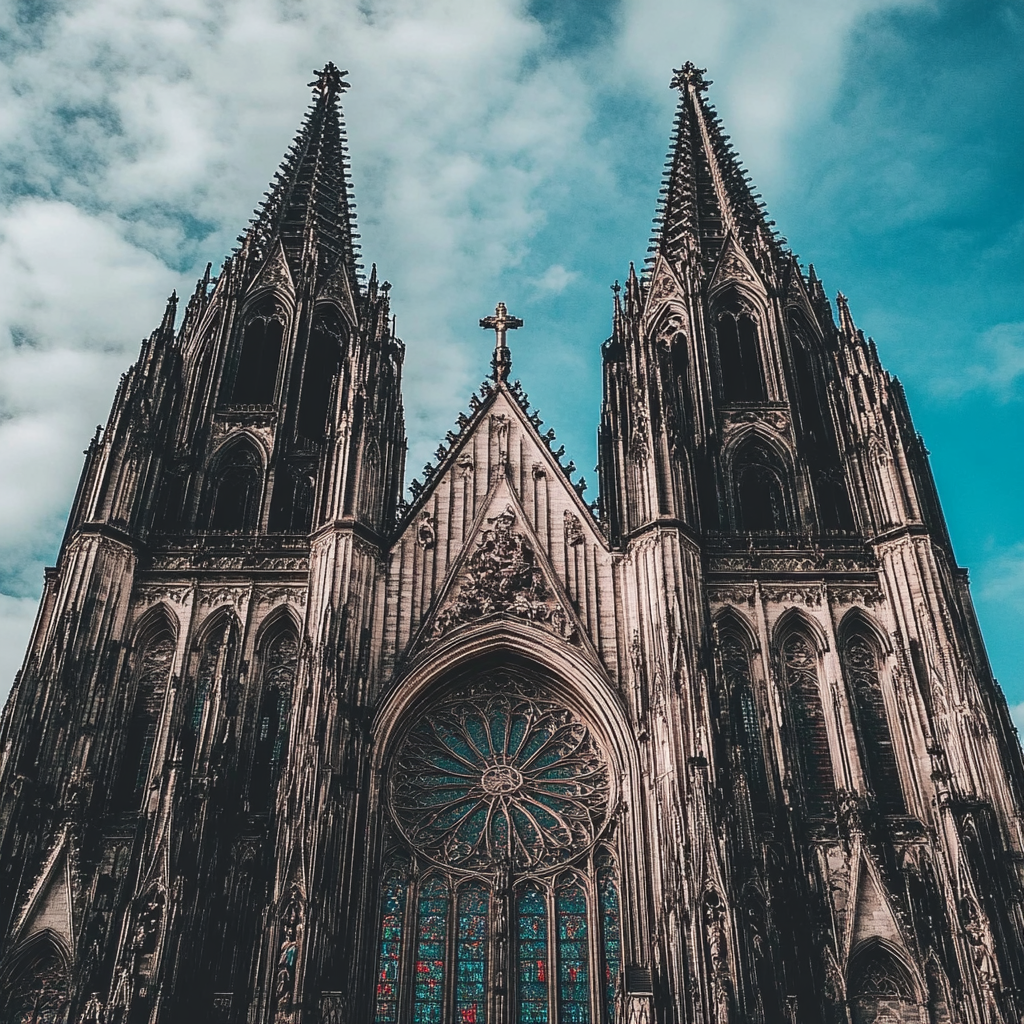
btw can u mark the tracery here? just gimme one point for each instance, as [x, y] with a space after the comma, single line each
[501, 795]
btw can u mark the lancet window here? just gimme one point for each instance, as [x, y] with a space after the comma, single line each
[260, 358]
[880, 989]
[761, 490]
[279, 659]
[744, 718]
[806, 397]
[813, 756]
[323, 357]
[739, 353]
[151, 676]
[235, 491]
[215, 663]
[860, 665]
[500, 797]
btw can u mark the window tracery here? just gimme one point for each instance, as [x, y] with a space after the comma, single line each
[235, 491]
[40, 991]
[280, 660]
[860, 664]
[500, 776]
[739, 353]
[814, 758]
[760, 490]
[501, 793]
[153, 670]
[256, 379]
[745, 720]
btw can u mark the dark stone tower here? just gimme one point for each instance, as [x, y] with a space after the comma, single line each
[723, 749]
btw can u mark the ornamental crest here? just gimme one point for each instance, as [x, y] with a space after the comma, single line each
[502, 575]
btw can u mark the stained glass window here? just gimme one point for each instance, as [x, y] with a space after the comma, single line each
[471, 956]
[532, 916]
[431, 953]
[573, 954]
[860, 663]
[390, 964]
[500, 776]
[39, 992]
[800, 661]
[611, 934]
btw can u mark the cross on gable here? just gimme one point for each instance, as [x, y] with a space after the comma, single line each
[500, 323]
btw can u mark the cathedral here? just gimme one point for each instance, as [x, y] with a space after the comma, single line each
[293, 744]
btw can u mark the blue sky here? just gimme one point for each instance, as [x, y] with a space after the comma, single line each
[511, 150]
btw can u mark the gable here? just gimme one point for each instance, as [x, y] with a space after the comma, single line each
[499, 529]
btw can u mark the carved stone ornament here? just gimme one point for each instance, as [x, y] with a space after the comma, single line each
[730, 595]
[426, 535]
[867, 595]
[810, 596]
[502, 575]
[573, 529]
[777, 419]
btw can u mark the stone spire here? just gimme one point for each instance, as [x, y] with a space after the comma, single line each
[309, 205]
[706, 194]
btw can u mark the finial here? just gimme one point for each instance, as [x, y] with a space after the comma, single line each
[170, 311]
[501, 322]
[689, 74]
[329, 83]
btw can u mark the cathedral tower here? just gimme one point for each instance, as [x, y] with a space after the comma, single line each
[722, 748]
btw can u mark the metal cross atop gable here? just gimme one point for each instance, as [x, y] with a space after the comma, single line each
[500, 323]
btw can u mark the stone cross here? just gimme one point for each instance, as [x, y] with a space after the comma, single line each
[500, 323]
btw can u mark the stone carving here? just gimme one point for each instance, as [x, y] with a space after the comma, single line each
[867, 595]
[426, 536]
[810, 596]
[573, 529]
[287, 956]
[502, 575]
[732, 595]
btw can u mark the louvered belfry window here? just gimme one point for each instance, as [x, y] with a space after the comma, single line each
[813, 756]
[507, 906]
[860, 664]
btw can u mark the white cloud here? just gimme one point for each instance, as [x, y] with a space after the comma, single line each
[555, 279]
[16, 617]
[998, 369]
[1017, 714]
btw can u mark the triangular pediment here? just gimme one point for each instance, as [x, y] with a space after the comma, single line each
[502, 570]
[338, 287]
[873, 916]
[51, 905]
[275, 273]
[734, 266]
[665, 286]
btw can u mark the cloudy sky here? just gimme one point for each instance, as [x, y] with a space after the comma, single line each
[512, 149]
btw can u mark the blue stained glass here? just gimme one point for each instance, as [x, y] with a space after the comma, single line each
[532, 917]
[431, 943]
[471, 951]
[608, 897]
[573, 955]
[392, 917]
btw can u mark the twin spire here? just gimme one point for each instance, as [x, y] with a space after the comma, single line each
[706, 194]
[309, 206]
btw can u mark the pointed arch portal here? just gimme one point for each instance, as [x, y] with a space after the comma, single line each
[501, 897]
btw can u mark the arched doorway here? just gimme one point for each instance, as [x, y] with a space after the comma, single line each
[36, 987]
[500, 889]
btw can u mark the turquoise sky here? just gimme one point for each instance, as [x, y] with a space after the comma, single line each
[511, 150]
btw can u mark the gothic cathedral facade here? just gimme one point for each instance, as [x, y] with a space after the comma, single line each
[721, 748]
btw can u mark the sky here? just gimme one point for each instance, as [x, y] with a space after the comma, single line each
[512, 150]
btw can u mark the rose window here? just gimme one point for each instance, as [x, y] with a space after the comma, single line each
[500, 778]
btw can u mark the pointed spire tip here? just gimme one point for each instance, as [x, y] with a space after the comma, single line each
[689, 74]
[329, 82]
